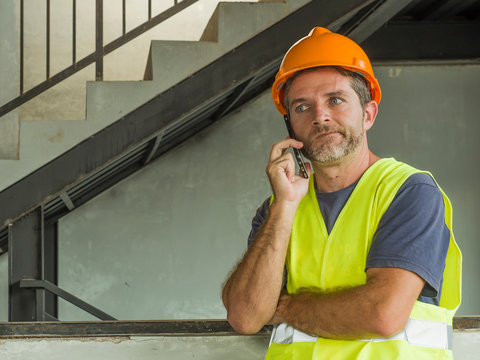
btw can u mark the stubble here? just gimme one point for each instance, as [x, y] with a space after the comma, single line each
[330, 149]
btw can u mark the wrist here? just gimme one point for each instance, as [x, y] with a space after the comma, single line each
[284, 206]
[283, 305]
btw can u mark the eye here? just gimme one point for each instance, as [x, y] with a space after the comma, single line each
[301, 108]
[336, 100]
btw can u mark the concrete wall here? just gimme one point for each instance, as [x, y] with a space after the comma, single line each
[178, 226]
[429, 118]
[159, 244]
[9, 76]
[173, 348]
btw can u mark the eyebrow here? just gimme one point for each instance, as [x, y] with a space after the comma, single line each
[336, 93]
[326, 95]
[297, 101]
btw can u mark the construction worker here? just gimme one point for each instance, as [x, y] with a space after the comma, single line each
[358, 259]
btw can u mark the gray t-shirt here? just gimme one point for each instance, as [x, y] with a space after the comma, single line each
[411, 235]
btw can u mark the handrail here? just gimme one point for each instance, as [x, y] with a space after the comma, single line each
[95, 57]
[41, 285]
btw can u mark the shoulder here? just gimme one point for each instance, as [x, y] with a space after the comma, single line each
[420, 192]
[420, 178]
[403, 183]
[412, 233]
[418, 204]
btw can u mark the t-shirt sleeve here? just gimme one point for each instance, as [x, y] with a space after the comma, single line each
[412, 233]
[258, 219]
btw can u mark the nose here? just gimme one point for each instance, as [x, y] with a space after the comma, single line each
[321, 114]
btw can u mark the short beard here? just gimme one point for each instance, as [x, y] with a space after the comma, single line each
[329, 152]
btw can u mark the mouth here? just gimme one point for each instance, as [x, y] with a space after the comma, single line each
[325, 134]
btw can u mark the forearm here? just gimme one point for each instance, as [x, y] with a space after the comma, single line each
[380, 308]
[251, 293]
[342, 315]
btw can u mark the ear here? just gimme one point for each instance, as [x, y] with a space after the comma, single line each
[371, 111]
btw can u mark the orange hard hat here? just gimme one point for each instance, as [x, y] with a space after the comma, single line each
[321, 47]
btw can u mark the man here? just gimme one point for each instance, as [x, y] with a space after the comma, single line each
[365, 244]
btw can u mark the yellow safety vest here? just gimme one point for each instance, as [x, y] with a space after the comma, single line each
[316, 259]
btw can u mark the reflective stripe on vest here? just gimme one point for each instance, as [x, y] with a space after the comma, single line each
[433, 334]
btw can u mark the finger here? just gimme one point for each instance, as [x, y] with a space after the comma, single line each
[300, 177]
[279, 148]
[308, 167]
[283, 165]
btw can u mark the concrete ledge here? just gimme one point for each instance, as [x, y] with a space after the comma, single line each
[120, 328]
[466, 322]
[153, 328]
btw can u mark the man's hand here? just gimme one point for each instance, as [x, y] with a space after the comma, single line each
[286, 185]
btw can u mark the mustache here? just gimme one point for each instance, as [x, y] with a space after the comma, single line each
[324, 129]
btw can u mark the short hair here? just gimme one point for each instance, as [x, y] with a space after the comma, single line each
[357, 81]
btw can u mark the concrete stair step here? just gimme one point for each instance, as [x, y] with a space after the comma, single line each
[168, 63]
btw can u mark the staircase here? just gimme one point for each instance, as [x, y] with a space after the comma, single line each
[40, 141]
[63, 164]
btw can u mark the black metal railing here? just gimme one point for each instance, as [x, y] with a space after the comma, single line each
[41, 286]
[96, 57]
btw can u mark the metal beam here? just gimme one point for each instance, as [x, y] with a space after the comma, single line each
[233, 99]
[99, 40]
[25, 253]
[67, 200]
[123, 328]
[50, 267]
[205, 327]
[154, 147]
[378, 17]
[449, 8]
[424, 41]
[32, 254]
[209, 83]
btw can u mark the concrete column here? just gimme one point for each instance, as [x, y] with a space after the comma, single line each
[9, 77]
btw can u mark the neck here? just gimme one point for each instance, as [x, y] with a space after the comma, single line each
[338, 175]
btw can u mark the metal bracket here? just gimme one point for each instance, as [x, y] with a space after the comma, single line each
[42, 285]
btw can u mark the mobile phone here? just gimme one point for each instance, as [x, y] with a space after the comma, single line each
[296, 152]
